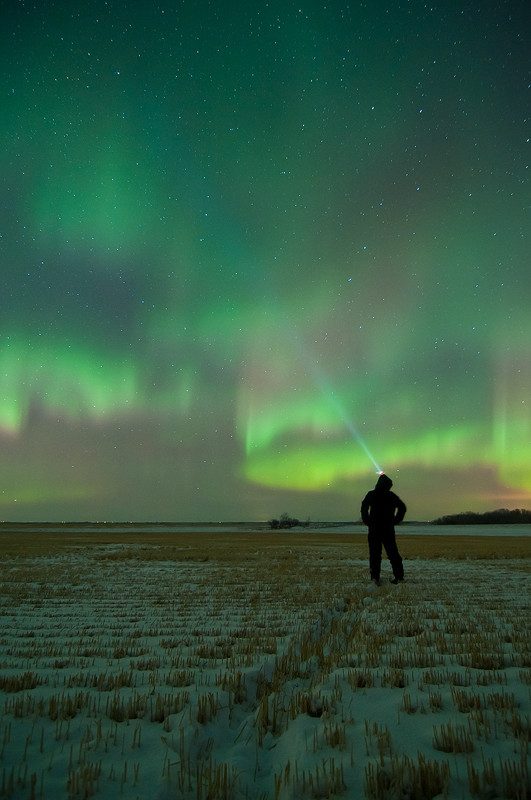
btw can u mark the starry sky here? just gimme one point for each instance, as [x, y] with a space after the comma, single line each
[253, 252]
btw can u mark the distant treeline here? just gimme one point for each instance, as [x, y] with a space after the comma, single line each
[501, 516]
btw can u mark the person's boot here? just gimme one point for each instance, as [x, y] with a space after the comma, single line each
[394, 579]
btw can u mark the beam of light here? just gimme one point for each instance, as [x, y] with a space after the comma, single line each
[332, 398]
[261, 422]
[322, 382]
[316, 467]
[305, 467]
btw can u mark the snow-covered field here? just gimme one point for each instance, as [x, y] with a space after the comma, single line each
[262, 666]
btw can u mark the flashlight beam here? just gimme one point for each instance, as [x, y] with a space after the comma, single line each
[323, 384]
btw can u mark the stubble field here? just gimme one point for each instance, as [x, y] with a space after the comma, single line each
[262, 666]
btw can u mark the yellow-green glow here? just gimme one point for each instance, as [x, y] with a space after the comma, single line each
[510, 451]
[12, 413]
[305, 468]
[312, 468]
[73, 381]
[44, 492]
[262, 426]
[78, 382]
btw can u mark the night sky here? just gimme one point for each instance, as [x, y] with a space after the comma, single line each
[253, 252]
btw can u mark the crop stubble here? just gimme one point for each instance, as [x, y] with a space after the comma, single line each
[260, 665]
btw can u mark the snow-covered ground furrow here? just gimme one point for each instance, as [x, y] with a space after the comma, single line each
[278, 677]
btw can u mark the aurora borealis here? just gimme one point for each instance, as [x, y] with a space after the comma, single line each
[244, 247]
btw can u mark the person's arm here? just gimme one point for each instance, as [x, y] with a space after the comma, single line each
[400, 511]
[366, 502]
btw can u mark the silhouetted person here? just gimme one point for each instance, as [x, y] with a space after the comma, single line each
[381, 510]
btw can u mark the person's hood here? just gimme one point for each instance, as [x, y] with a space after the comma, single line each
[384, 483]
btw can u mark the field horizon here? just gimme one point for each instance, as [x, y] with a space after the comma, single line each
[236, 524]
[501, 516]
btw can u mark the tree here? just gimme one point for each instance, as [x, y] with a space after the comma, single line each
[284, 522]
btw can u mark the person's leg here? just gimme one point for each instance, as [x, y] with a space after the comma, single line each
[389, 542]
[375, 556]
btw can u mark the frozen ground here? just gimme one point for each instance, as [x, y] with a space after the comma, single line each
[260, 667]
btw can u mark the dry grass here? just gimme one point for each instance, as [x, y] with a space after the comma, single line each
[251, 546]
[127, 660]
[403, 777]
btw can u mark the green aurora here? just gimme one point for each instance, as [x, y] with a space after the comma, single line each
[248, 252]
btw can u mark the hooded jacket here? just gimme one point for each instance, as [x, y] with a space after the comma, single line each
[381, 508]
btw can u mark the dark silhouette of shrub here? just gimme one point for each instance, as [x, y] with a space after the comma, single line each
[284, 522]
